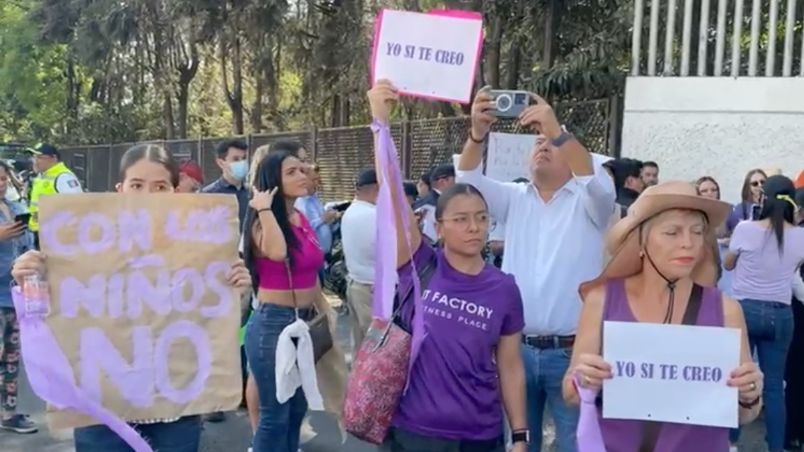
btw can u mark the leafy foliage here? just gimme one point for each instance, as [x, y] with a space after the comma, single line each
[77, 71]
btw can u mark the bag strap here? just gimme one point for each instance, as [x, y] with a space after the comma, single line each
[290, 286]
[425, 275]
[651, 429]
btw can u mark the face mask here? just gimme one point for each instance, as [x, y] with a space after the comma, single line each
[239, 169]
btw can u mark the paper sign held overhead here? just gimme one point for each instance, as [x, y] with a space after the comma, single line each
[140, 305]
[671, 373]
[432, 56]
[507, 157]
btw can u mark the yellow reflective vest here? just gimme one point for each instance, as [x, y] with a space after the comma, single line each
[44, 185]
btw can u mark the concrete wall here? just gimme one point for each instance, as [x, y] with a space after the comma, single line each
[715, 126]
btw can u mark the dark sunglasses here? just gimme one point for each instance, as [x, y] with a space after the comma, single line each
[757, 183]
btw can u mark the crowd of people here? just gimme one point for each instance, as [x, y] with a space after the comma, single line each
[522, 275]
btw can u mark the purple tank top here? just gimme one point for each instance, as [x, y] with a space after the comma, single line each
[626, 435]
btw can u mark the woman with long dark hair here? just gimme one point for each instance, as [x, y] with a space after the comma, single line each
[282, 253]
[469, 368]
[765, 254]
[751, 196]
[144, 168]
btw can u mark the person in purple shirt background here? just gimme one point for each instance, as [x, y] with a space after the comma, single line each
[751, 196]
[473, 317]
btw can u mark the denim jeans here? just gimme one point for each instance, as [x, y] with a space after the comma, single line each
[183, 435]
[279, 425]
[770, 330]
[544, 372]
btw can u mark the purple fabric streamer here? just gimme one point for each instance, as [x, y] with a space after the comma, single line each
[51, 376]
[386, 253]
[589, 436]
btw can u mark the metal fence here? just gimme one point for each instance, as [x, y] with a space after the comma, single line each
[342, 152]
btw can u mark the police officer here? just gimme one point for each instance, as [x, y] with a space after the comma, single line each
[53, 177]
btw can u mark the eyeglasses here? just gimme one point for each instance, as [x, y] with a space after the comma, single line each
[464, 221]
[757, 183]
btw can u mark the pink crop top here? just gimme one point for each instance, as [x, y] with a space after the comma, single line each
[307, 261]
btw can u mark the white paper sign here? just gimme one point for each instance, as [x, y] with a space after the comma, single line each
[671, 373]
[508, 156]
[432, 56]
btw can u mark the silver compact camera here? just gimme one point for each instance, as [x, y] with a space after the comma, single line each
[510, 104]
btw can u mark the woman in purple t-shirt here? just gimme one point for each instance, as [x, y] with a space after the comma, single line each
[469, 366]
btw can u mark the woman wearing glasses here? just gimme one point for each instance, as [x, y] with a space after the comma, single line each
[469, 368]
[751, 198]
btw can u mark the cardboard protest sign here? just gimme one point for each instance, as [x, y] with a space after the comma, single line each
[671, 373]
[432, 56]
[140, 304]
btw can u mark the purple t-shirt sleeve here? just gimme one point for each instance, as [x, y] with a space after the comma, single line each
[514, 320]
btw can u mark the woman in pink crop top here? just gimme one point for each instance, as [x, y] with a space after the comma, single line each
[282, 253]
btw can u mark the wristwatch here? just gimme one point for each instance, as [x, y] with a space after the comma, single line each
[563, 138]
[520, 436]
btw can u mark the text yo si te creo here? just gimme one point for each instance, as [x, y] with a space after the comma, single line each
[675, 372]
[118, 294]
[422, 53]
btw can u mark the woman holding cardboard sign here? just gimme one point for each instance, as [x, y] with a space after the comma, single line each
[143, 169]
[662, 271]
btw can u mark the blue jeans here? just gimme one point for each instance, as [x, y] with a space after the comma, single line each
[279, 426]
[183, 435]
[770, 330]
[544, 373]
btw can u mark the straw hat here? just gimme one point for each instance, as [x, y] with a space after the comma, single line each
[623, 241]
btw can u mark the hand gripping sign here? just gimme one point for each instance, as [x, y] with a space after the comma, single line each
[142, 323]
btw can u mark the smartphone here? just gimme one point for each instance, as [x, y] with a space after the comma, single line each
[510, 104]
[341, 207]
[23, 218]
[756, 211]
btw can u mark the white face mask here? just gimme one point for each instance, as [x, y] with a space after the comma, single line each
[239, 170]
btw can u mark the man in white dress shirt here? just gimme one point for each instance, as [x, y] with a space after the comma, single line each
[554, 229]
[358, 237]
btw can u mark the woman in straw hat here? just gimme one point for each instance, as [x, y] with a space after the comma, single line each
[662, 263]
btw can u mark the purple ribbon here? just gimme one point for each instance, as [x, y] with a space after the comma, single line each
[51, 376]
[385, 269]
[589, 435]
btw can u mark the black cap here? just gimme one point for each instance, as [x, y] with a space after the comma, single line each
[366, 177]
[46, 149]
[442, 172]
